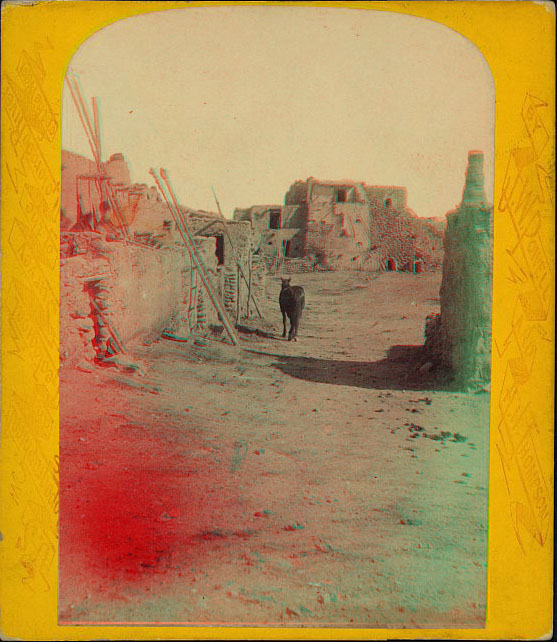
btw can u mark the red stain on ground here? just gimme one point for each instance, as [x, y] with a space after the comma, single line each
[126, 528]
[137, 503]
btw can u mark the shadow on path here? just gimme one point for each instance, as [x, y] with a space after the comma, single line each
[398, 371]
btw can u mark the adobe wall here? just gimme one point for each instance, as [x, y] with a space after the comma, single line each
[397, 236]
[294, 216]
[371, 229]
[73, 166]
[297, 193]
[140, 291]
[117, 170]
[258, 215]
[144, 210]
[378, 196]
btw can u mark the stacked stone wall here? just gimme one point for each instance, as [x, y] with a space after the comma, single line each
[125, 290]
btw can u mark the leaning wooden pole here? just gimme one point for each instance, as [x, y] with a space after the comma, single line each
[194, 254]
[97, 128]
[112, 331]
[223, 221]
[82, 117]
[113, 199]
[250, 265]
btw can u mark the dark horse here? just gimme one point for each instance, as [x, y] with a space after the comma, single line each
[292, 301]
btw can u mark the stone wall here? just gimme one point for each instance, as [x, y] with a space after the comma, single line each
[405, 240]
[351, 225]
[460, 338]
[128, 292]
[386, 197]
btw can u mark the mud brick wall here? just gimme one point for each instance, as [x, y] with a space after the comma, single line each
[398, 236]
[353, 222]
[297, 193]
[117, 169]
[140, 291]
[378, 196]
[258, 215]
[144, 292]
[77, 332]
[294, 216]
[73, 166]
[368, 230]
[465, 321]
[142, 206]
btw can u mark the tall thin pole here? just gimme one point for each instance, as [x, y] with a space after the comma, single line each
[250, 267]
[82, 118]
[96, 123]
[238, 294]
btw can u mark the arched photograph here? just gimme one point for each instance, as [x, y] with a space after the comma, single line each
[276, 230]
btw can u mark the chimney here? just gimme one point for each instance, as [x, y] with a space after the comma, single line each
[474, 191]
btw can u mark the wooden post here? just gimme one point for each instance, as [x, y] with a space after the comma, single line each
[84, 118]
[112, 331]
[238, 294]
[97, 130]
[250, 268]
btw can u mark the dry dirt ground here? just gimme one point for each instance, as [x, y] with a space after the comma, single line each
[322, 482]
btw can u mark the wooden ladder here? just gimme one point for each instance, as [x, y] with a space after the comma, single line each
[189, 242]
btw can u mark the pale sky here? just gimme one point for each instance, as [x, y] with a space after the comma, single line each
[251, 98]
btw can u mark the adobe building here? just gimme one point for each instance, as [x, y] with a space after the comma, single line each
[124, 284]
[85, 207]
[346, 224]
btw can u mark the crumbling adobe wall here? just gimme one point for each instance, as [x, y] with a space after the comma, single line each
[82, 206]
[336, 231]
[402, 238]
[386, 197]
[258, 215]
[351, 225]
[117, 170]
[297, 193]
[73, 166]
[139, 290]
[460, 338]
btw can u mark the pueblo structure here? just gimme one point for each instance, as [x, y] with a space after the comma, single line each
[346, 225]
[126, 275]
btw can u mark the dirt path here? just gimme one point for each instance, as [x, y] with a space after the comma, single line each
[311, 483]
